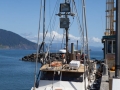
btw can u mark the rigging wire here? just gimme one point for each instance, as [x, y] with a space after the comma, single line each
[79, 24]
[53, 20]
[44, 13]
[82, 29]
[77, 17]
[37, 45]
[53, 24]
[78, 20]
[84, 44]
[86, 31]
[71, 23]
[86, 38]
[88, 54]
[49, 17]
[52, 17]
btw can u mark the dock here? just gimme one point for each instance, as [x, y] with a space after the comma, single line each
[107, 81]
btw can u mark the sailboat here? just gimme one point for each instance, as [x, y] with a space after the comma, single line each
[69, 72]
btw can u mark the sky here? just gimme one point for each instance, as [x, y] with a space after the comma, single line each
[22, 17]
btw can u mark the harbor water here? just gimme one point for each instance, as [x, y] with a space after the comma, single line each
[16, 74]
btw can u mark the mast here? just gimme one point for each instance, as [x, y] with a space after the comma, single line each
[64, 22]
[66, 38]
[117, 51]
[67, 45]
[44, 25]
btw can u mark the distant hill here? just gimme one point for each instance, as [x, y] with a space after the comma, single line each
[10, 40]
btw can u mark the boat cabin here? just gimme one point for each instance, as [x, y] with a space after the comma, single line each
[109, 50]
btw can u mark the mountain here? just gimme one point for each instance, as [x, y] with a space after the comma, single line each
[10, 40]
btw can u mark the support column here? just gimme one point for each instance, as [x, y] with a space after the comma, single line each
[117, 52]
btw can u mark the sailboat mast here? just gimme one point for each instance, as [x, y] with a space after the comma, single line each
[44, 25]
[117, 51]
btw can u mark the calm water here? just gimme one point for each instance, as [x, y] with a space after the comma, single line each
[19, 75]
[96, 54]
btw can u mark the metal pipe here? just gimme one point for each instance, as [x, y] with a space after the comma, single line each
[106, 15]
[67, 45]
[77, 45]
[117, 51]
[72, 48]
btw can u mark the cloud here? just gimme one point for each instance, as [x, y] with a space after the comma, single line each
[30, 36]
[95, 39]
[59, 37]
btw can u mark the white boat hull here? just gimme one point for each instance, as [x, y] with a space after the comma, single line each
[60, 85]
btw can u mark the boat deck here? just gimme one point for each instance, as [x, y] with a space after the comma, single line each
[63, 68]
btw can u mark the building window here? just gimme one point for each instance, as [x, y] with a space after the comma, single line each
[111, 46]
